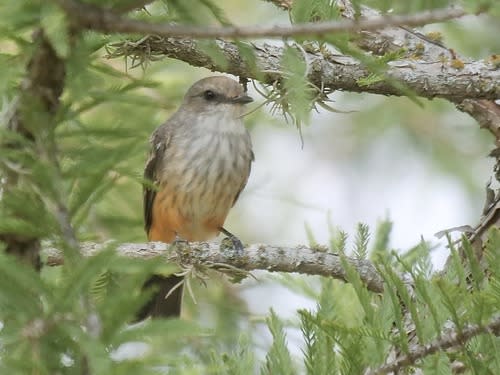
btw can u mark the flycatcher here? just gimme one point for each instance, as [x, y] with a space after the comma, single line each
[198, 165]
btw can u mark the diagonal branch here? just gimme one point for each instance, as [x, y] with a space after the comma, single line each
[99, 19]
[452, 340]
[300, 259]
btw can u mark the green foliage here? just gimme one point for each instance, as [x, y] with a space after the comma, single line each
[401, 6]
[313, 11]
[297, 93]
[196, 11]
[52, 326]
[55, 26]
[278, 359]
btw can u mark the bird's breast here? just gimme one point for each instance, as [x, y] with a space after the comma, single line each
[206, 167]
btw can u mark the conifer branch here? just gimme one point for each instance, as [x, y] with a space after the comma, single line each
[40, 91]
[451, 340]
[299, 259]
[100, 19]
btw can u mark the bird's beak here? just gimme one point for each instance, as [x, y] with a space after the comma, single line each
[242, 99]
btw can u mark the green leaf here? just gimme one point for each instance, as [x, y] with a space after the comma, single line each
[297, 94]
[22, 292]
[278, 358]
[314, 11]
[155, 330]
[240, 361]
[380, 246]
[361, 241]
[78, 280]
[213, 51]
[55, 25]
[19, 14]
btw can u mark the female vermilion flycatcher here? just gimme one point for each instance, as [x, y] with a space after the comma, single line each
[199, 163]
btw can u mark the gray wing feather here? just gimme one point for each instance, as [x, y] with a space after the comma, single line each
[252, 158]
[158, 147]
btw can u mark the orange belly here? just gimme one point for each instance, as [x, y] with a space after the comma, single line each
[177, 213]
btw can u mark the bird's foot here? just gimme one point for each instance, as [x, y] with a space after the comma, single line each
[179, 243]
[179, 240]
[232, 242]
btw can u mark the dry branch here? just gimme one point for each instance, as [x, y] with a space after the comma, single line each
[300, 259]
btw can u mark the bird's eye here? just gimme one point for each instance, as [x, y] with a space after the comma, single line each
[209, 95]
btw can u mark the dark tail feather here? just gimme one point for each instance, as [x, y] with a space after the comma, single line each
[158, 305]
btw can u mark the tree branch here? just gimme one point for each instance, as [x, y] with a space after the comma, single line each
[437, 78]
[99, 19]
[300, 259]
[334, 72]
[485, 112]
[449, 341]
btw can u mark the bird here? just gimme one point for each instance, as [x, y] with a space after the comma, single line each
[199, 162]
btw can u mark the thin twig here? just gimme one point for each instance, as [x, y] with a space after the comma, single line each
[100, 19]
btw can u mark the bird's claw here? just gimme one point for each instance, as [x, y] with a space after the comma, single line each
[232, 243]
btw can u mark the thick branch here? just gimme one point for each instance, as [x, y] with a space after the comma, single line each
[99, 19]
[486, 112]
[452, 340]
[437, 78]
[335, 72]
[300, 259]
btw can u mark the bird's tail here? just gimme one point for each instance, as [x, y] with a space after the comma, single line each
[167, 299]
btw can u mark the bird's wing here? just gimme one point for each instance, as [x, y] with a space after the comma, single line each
[252, 158]
[159, 143]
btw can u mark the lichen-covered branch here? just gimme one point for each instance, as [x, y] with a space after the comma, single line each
[299, 259]
[431, 49]
[332, 71]
[441, 77]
